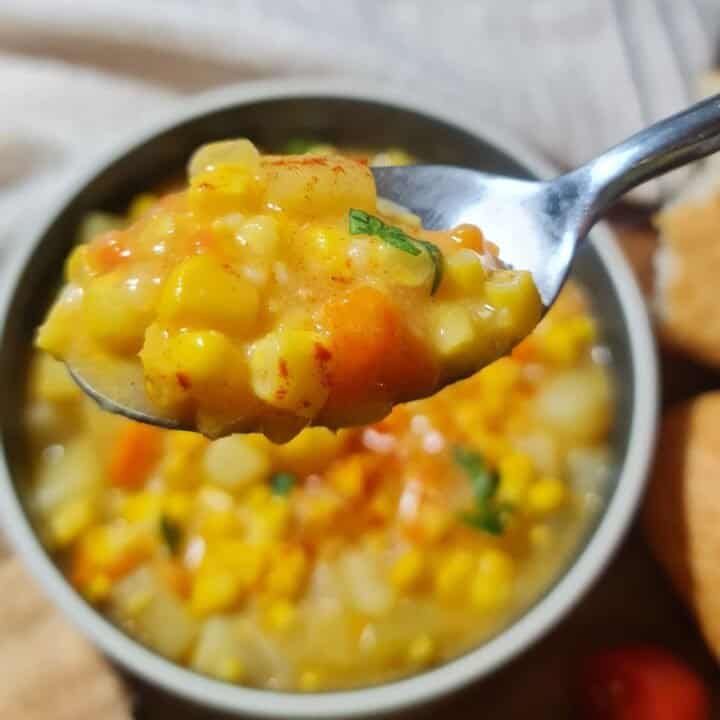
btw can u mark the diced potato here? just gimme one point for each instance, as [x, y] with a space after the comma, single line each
[237, 460]
[202, 294]
[366, 589]
[217, 652]
[157, 617]
[576, 403]
[316, 185]
[63, 476]
[286, 372]
[265, 662]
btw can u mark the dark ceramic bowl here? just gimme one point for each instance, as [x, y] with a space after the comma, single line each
[347, 112]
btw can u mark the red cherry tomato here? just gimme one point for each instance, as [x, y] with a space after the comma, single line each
[640, 682]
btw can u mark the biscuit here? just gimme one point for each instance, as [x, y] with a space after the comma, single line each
[681, 515]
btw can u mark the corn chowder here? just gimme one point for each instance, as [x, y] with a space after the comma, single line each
[335, 560]
[277, 292]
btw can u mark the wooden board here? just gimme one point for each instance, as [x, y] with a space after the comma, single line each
[50, 673]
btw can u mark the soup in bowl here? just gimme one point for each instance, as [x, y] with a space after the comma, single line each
[345, 559]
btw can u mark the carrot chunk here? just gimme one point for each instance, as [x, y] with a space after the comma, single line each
[135, 453]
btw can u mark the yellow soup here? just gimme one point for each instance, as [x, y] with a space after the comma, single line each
[277, 292]
[336, 560]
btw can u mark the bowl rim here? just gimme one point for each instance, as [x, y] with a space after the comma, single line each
[454, 674]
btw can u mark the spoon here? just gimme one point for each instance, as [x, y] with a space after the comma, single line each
[538, 225]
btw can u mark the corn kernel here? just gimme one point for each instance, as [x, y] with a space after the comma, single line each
[70, 520]
[501, 375]
[559, 346]
[383, 505]
[201, 293]
[470, 237]
[285, 371]
[280, 616]
[218, 524]
[239, 153]
[142, 507]
[347, 477]
[492, 445]
[393, 156]
[311, 451]
[320, 511]
[403, 269]
[178, 506]
[453, 572]
[583, 328]
[230, 669]
[326, 247]
[309, 680]
[421, 650]
[407, 570]
[257, 496]
[540, 535]
[51, 380]
[118, 309]
[141, 204]
[137, 601]
[454, 335]
[434, 522]
[98, 588]
[514, 291]
[77, 266]
[288, 572]
[193, 361]
[465, 273]
[492, 585]
[270, 524]
[214, 589]
[516, 474]
[546, 495]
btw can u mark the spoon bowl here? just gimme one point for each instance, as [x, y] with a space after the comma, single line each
[537, 225]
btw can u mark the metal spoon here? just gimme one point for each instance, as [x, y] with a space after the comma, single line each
[537, 225]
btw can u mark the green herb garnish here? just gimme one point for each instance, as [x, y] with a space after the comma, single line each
[487, 514]
[362, 223]
[171, 533]
[282, 483]
[299, 146]
[484, 481]
[490, 519]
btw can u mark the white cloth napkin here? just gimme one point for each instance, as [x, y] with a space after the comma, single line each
[571, 77]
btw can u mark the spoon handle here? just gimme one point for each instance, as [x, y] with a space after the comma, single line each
[690, 135]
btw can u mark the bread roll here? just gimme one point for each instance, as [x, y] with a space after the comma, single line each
[687, 262]
[682, 509]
